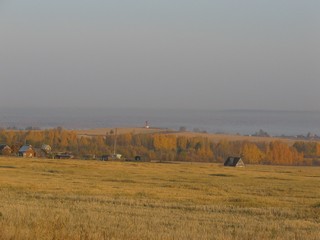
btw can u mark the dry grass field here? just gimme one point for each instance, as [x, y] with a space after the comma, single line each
[104, 131]
[212, 136]
[73, 199]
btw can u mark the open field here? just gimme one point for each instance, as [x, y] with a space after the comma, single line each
[104, 131]
[73, 199]
[212, 136]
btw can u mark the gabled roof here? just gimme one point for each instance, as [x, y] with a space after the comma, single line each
[46, 147]
[234, 162]
[25, 148]
[3, 146]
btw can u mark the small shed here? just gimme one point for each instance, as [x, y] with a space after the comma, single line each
[105, 157]
[27, 151]
[5, 149]
[89, 157]
[116, 156]
[234, 162]
[64, 156]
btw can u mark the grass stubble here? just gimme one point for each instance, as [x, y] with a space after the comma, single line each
[73, 199]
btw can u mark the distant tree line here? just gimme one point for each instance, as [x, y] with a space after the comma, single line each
[166, 147]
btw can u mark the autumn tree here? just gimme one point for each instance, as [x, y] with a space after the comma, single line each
[222, 150]
[281, 154]
[252, 154]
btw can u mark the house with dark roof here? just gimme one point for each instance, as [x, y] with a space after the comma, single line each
[5, 149]
[234, 162]
[27, 151]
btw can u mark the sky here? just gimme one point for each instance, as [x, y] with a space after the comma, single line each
[160, 54]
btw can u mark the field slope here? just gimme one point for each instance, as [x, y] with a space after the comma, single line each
[54, 199]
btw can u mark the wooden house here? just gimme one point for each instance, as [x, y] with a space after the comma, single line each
[27, 151]
[234, 162]
[5, 150]
[46, 148]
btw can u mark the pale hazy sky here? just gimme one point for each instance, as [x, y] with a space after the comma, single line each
[226, 54]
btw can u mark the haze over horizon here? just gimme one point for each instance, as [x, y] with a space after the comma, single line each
[179, 54]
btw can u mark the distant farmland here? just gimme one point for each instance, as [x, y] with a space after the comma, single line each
[212, 136]
[69, 199]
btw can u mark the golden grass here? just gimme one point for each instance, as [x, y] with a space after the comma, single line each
[73, 199]
[212, 136]
[104, 131]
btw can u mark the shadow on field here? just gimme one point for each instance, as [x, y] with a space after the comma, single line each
[165, 162]
[275, 178]
[221, 175]
[8, 167]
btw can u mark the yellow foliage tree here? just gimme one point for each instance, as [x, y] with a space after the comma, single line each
[252, 154]
[164, 142]
[280, 153]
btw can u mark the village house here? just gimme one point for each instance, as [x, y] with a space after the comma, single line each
[234, 162]
[27, 151]
[5, 149]
[46, 148]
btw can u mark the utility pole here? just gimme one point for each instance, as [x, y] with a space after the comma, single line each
[115, 142]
